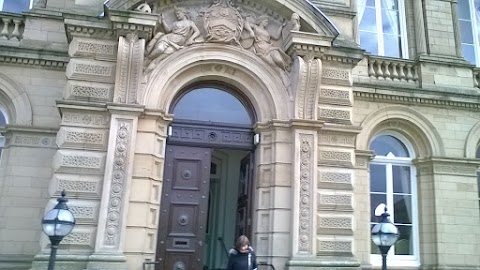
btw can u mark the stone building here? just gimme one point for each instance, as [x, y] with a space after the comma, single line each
[176, 125]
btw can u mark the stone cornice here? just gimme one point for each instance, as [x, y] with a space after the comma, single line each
[42, 58]
[27, 129]
[143, 24]
[470, 103]
[87, 26]
[306, 44]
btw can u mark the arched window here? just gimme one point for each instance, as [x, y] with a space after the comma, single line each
[393, 183]
[212, 104]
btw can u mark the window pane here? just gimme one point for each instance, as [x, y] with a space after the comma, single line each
[404, 245]
[402, 209]
[369, 41]
[392, 46]
[385, 144]
[469, 53]
[390, 4]
[390, 22]
[211, 104]
[375, 200]
[378, 176]
[3, 120]
[369, 21]
[370, 3]
[16, 6]
[401, 179]
[463, 10]
[466, 32]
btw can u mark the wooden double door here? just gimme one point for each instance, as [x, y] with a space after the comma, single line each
[185, 205]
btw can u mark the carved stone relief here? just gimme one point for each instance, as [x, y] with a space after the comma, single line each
[305, 208]
[117, 190]
[89, 70]
[309, 81]
[75, 161]
[130, 65]
[85, 119]
[89, 91]
[221, 22]
[31, 141]
[89, 48]
[334, 246]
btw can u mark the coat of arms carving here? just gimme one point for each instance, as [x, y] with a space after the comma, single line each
[223, 23]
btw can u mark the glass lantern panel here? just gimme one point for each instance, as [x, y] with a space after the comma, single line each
[66, 215]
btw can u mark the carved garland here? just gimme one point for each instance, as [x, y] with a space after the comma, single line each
[117, 190]
[305, 196]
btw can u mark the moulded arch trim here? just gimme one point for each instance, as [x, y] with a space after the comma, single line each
[262, 87]
[472, 141]
[20, 109]
[417, 128]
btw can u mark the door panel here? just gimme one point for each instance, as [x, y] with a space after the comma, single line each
[184, 208]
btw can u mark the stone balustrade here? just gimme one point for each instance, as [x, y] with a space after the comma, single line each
[390, 69]
[11, 26]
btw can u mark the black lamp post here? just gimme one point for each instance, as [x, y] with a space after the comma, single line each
[57, 223]
[384, 235]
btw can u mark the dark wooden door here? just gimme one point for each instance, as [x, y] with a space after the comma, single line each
[184, 208]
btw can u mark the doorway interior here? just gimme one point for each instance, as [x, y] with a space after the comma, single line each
[207, 193]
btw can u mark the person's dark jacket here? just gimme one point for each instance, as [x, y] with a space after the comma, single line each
[239, 261]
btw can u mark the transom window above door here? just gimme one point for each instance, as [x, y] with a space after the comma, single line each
[15, 6]
[382, 27]
[212, 104]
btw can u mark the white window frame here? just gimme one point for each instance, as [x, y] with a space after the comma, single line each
[2, 1]
[400, 260]
[475, 29]
[403, 28]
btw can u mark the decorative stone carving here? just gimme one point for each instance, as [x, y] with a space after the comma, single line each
[82, 138]
[261, 41]
[89, 70]
[308, 82]
[335, 156]
[335, 223]
[89, 91]
[335, 96]
[223, 23]
[89, 48]
[117, 190]
[130, 66]
[305, 230]
[83, 212]
[77, 239]
[335, 178]
[335, 200]
[75, 161]
[181, 33]
[77, 186]
[334, 246]
[335, 115]
[85, 119]
[336, 139]
[31, 141]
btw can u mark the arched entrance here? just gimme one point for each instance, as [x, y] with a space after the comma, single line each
[208, 174]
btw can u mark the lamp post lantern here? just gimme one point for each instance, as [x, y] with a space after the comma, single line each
[384, 235]
[56, 224]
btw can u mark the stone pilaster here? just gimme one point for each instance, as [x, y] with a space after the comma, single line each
[111, 229]
[448, 201]
[274, 174]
